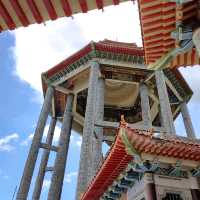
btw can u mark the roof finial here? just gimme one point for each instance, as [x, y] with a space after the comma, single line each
[123, 122]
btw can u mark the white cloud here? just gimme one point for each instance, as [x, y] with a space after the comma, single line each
[5, 142]
[191, 75]
[75, 140]
[6, 177]
[46, 184]
[70, 177]
[27, 140]
[78, 143]
[56, 133]
[38, 47]
[115, 22]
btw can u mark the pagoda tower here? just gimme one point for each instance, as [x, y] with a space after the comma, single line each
[106, 93]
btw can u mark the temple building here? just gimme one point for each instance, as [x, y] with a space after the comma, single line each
[106, 93]
[119, 94]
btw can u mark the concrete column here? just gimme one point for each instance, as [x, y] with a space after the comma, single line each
[146, 113]
[194, 186]
[149, 189]
[187, 121]
[166, 113]
[44, 161]
[99, 111]
[61, 156]
[88, 129]
[35, 146]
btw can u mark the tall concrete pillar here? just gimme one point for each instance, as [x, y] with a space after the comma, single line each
[88, 132]
[61, 156]
[187, 121]
[35, 146]
[99, 111]
[166, 113]
[146, 113]
[44, 161]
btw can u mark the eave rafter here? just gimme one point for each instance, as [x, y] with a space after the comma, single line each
[26, 12]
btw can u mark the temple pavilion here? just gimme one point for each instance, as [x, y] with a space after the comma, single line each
[123, 95]
[107, 94]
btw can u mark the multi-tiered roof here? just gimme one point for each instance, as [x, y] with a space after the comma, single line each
[158, 21]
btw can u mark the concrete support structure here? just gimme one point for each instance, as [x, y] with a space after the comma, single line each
[146, 113]
[99, 111]
[35, 146]
[166, 113]
[85, 166]
[187, 121]
[61, 156]
[44, 161]
[149, 189]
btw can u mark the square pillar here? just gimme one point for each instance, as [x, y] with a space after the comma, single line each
[149, 187]
[98, 139]
[187, 121]
[22, 193]
[44, 161]
[166, 113]
[85, 164]
[55, 189]
[146, 113]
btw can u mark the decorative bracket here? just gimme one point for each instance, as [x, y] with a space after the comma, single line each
[176, 170]
[196, 172]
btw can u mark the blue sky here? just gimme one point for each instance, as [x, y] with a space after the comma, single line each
[25, 54]
[19, 113]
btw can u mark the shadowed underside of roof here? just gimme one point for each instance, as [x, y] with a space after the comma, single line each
[16, 13]
[122, 151]
[158, 19]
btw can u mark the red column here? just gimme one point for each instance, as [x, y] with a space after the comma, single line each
[150, 189]
[195, 194]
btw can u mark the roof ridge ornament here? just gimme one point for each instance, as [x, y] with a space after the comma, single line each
[123, 122]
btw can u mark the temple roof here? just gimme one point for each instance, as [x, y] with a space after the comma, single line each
[113, 56]
[103, 50]
[158, 19]
[16, 13]
[131, 143]
[92, 49]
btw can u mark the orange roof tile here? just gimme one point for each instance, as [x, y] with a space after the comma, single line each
[141, 141]
[158, 19]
